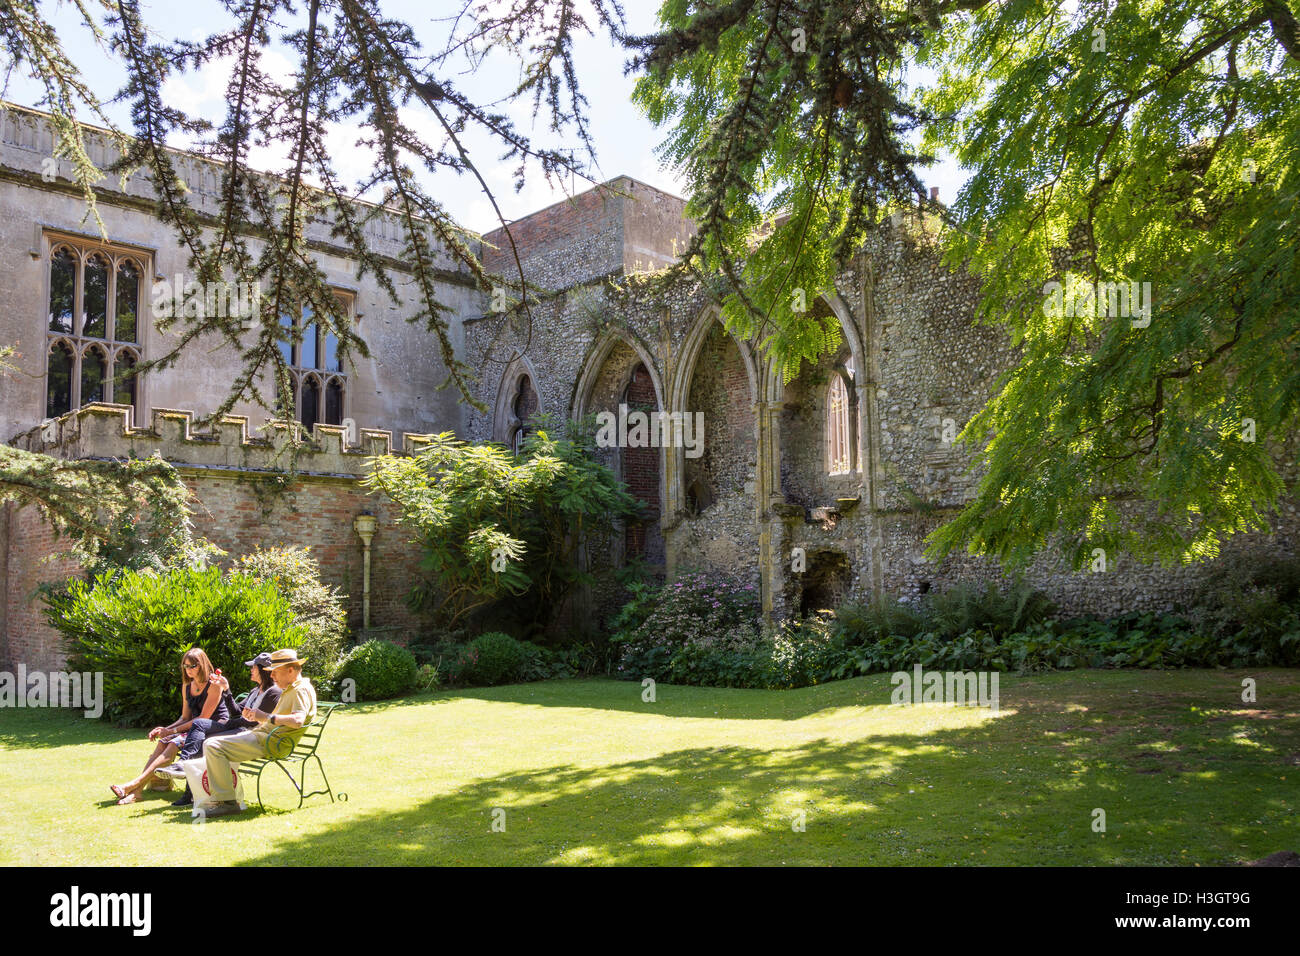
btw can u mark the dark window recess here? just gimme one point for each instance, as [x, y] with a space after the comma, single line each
[128, 303]
[63, 290]
[92, 376]
[310, 404]
[333, 404]
[58, 399]
[124, 388]
[96, 298]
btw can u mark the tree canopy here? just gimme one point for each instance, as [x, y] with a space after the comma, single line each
[1123, 147]
[1144, 150]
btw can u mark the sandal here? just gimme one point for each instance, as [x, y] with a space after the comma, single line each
[118, 790]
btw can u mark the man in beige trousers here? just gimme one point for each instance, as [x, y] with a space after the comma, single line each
[295, 710]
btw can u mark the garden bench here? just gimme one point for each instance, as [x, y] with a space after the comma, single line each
[284, 752]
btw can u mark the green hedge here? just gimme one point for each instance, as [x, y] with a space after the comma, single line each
[135, 626]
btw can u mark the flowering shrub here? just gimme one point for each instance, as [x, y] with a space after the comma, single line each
[666, 632]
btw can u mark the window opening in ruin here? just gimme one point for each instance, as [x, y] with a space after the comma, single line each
[523, 407]
[826, 583]
[839, 455]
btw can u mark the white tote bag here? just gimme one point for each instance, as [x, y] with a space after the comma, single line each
[196, 775]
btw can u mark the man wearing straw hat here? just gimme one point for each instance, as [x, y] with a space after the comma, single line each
[295, 710]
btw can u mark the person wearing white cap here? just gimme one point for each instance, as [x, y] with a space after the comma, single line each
[295, 710]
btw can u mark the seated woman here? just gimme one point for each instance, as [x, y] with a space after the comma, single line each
[264, 697]
[201, 699]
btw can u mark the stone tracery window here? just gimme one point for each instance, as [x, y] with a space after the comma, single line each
[92, 327]
[839, 453]
[317, 378]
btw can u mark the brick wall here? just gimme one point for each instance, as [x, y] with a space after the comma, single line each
[315, 513]
[33, 557]
[235, 507]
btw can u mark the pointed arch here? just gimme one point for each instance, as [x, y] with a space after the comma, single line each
[774, 385]
[595, 361]
[504, 421]
[690, 351]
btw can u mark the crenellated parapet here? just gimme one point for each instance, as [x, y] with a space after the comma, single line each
[104, 431]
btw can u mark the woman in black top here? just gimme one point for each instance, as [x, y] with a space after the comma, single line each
[263, 697]
[201, 700]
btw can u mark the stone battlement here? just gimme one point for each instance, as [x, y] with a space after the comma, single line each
[102, 430]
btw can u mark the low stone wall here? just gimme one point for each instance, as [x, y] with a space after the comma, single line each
[240, 503]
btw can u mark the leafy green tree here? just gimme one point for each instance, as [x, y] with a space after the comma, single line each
[118, 514]
[495, 525]
[1111, 142]
[134, 627]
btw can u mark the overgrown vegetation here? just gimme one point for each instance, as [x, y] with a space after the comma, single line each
[694, 631]
[318, 608]
[497, 658]
[496, 526]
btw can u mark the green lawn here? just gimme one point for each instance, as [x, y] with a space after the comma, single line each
[587, 773]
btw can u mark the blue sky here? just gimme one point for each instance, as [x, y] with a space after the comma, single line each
[625, 140]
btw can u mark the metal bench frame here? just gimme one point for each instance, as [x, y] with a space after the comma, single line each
[283, 750]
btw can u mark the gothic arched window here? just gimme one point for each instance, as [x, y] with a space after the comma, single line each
[839, 450]
[93, 367]
[308, 349]
[58, 394]
[94, 308]
[523, 408]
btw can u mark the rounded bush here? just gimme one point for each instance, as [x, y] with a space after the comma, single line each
[134, 626]
[493, 658]
[380, 669]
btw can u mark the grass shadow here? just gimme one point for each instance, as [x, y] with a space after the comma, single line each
[1018, 789]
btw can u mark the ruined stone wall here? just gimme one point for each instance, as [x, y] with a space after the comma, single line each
[621, 227]
[570, 242]
[720, 390]
[805, 477]
[643, 474]
[935, 364]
